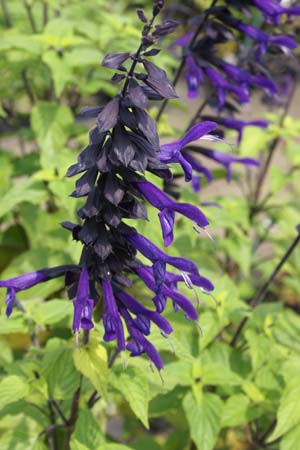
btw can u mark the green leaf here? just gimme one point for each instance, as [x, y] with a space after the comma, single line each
[26, 191]
[218, 375]
[91, 361]
[12, 389]
[288, 414]
[87, 432]
[133, 384]
[235, 411]
[291, 441]
[204, 418]
[60, 373]
[52, 312]
[60, 69]
[15, 324]
[50, 123]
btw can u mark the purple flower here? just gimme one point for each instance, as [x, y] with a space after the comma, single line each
[239, 125]
[223, 87]
[153, 253]
[272, 9]
[111, 319]
[193, 76]
[241, 76]
[171, 153]
[146, 274]
[30, 279]
[140, 311]
[226, 160]
[138, 344]
[83, 304]
[167, 207]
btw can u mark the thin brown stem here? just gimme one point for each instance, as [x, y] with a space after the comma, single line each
[6, 14]
[182, 64]
[27, 86]
[260, 296]
[59, 411]
[198, 113]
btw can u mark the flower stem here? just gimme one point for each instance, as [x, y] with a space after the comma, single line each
[182, 64]
[260, 296]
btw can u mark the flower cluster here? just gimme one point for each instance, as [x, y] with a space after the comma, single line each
[234, 81]
[123, 147]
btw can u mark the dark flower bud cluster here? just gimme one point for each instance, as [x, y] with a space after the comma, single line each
[123, 147]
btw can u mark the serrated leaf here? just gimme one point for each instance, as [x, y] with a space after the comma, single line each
[50, 123]
[91, 361]
[204, 418]
[133, 384]
[60, 70]
[12, 389]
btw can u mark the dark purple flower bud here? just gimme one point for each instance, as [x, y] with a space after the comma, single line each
[114, 60]
[157, 80]
[10, 300]
[108, 117]
[141, 16]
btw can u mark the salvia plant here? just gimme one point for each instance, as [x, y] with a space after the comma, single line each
[124, 146]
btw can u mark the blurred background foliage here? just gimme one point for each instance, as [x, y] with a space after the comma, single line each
[215, 394]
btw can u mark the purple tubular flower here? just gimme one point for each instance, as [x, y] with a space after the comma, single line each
[30, 279]
[197, 167]
[241, 76]
[138, 343]
[239, 125]
[111, 319]
[226, 160]
[171, 279]
[136, 308]
[83, 305]
[193, 76]
[167, 207]
[146, 274]
[172, 152]
[223, 87]
[273, 9]
[154, 254]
